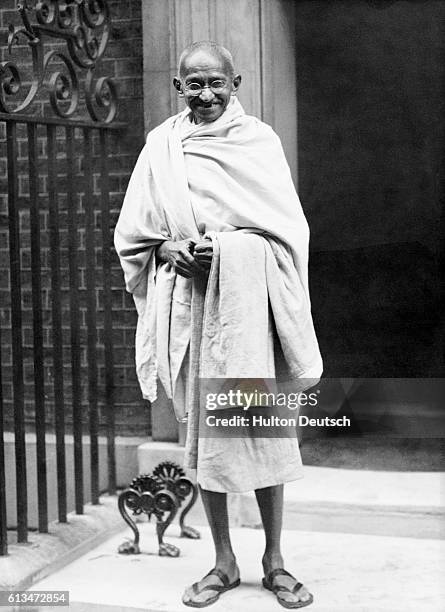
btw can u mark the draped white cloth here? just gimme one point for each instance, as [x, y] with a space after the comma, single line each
[189, 179]
[227, 181]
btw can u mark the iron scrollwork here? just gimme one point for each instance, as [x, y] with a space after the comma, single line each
[84, 25]
[160, 494]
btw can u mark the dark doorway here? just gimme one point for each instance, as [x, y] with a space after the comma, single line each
[371, 144]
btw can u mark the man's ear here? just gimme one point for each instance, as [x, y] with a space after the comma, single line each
[177, 85]
[236, 83]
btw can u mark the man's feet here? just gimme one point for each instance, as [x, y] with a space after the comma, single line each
[208, 590]
[290, 593]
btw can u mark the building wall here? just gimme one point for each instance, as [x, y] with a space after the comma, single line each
[369, 84]
[123, 62]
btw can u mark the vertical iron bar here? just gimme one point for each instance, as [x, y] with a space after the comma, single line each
[3, 519]
[73, 246]
[108, 323]
[39, 378]
[59, 406]
[16, 329]
[91, 315]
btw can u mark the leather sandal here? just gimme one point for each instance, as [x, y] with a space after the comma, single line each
[220, 588]
[268, 584]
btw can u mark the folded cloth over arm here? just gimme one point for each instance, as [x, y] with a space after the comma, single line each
[253, 287]
[249, 272]
[157, 208]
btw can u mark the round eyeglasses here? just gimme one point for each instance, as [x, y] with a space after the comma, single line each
[195, 89]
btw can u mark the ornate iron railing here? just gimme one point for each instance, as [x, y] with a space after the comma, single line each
[84, 26]
[81, 29]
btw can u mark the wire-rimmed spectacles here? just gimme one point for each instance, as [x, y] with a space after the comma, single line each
[195, 89]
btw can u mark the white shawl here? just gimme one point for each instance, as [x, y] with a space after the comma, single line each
[236, 167]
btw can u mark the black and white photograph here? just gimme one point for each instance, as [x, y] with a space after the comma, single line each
[222, 313]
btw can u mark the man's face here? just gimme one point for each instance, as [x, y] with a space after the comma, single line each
[206, 70]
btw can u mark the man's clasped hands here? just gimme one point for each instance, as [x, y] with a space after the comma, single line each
[187, 257]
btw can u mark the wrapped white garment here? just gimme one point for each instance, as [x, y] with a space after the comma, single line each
[227, 180]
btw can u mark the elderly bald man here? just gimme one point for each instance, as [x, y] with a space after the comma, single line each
[214, 245]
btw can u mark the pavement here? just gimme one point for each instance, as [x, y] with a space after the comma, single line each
[333, 541]
[345, 572]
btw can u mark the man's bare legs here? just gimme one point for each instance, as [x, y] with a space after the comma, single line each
[215, 505]
[270, 503]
